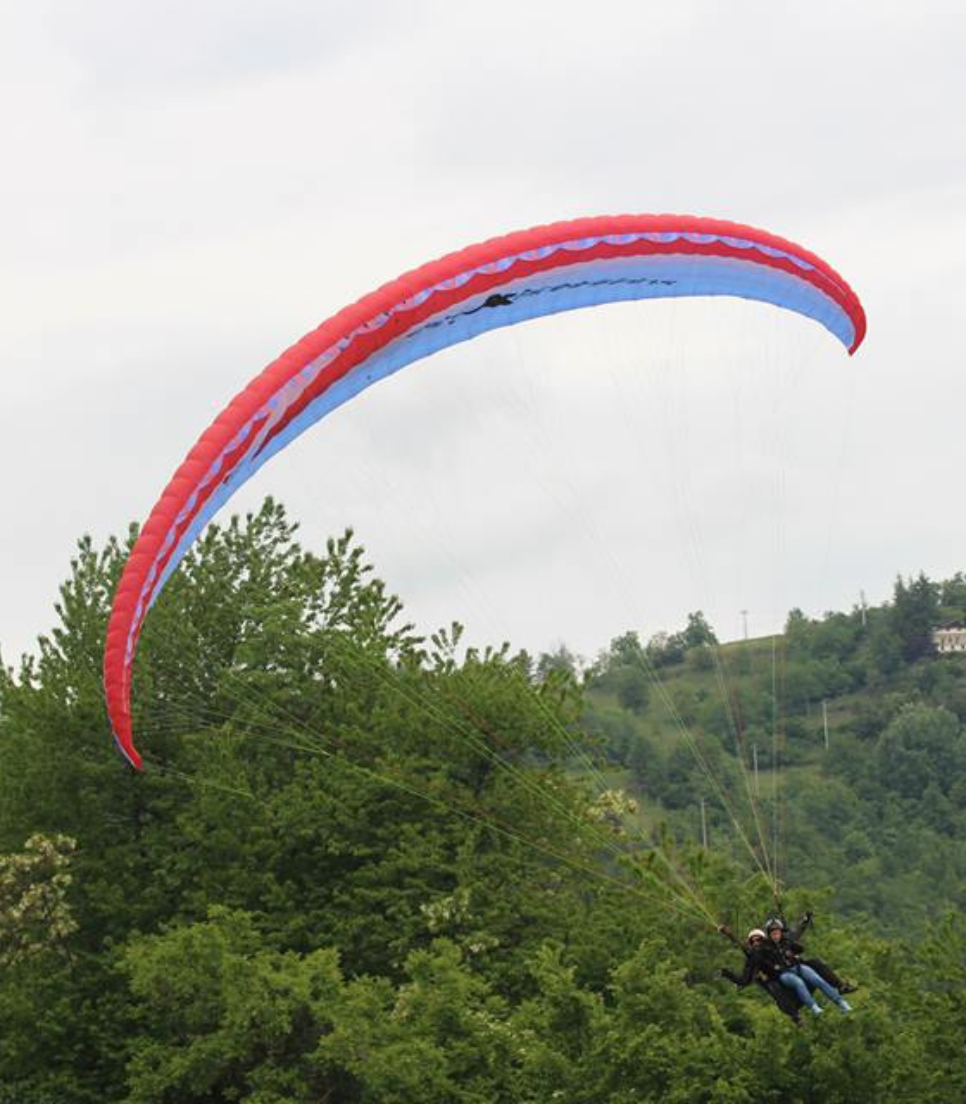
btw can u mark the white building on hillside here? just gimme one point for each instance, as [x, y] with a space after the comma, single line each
[950, 639]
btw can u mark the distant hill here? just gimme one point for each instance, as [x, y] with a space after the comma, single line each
[878, 813]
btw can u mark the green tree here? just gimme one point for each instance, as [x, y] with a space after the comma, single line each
[561, 661]
[633, 689]
[915, 613]
[952, 599]
[665, 650]
[222, 1015]
[922, 747]
[698, 632]
[363, 865]
[885, 648]
[35, 915]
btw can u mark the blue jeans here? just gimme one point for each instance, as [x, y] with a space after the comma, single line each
[801, 977]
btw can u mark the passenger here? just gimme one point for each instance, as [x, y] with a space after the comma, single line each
[762, 968]
[776, 967]
[788, 940]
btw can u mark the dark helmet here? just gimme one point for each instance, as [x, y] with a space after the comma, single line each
[773, 923]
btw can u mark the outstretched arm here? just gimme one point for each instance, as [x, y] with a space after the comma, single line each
[798, 931]
[745, 977]
[725, 930]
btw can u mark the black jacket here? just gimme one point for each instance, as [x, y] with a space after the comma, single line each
[762, 963]
[788, 951]
[790, 942]
[793, 952]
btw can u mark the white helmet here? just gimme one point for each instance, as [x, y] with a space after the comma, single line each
[756, 933]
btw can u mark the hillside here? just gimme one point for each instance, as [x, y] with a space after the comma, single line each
[877, 815]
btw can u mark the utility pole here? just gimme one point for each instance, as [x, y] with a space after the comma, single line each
[704, 826]
[825, 721]
[862, 606]
[744, 622]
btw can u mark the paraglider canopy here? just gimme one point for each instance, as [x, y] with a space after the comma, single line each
[500, 282]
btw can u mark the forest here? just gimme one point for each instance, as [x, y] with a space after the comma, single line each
[367, 865]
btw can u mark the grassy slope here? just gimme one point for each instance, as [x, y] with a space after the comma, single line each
[828, 834]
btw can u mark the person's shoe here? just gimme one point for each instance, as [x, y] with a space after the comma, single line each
[815, 1009]
[845, 1006]
[847, 987]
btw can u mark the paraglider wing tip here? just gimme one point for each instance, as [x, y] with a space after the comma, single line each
[859, 338]
[129, 752]
[859, 322]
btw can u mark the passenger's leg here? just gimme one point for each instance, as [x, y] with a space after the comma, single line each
[810, 977]
[792, 981]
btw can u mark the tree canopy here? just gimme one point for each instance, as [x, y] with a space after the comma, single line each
[365, 865]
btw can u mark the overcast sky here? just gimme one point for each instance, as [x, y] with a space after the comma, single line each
[189, 186]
